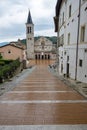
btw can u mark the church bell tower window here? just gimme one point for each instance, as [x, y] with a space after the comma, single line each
[30, 29]
[27, 29]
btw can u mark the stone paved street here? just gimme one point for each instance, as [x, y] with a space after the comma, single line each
[42, 99]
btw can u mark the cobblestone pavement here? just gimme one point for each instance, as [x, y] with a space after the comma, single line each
[41, 101]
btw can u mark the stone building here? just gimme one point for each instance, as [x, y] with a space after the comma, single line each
[18, 44]
[71, 28]
[30, 37]
[43, 48]
[12, 52]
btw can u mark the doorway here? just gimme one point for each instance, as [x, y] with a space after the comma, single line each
[45, 56]
[67, 70]
[42, 57]
[39, 56]
[36, 57]
[48, 57]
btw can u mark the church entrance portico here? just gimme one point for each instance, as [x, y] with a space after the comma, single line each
[42, 56]
[45, 48]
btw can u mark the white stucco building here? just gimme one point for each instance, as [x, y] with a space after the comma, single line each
[71, 28]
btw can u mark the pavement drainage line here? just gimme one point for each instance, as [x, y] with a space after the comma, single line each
[40, 86]
[44, 127]
[43, 101]
[41, 92]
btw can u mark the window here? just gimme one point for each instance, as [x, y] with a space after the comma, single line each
[61, 40]
[29, 38]
[65, 53]
[43, 44]
[27, 29]
[67, 58]
[61, 68]
[9, 51]
[80, 63]
[70, 7]
[60, 22]
[82, 33]
[63, 18]
[68, 38]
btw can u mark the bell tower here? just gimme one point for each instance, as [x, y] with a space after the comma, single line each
[30, 37]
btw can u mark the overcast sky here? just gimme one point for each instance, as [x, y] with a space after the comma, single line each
[14, 13]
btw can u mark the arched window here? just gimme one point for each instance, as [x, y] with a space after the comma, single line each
[29, 30]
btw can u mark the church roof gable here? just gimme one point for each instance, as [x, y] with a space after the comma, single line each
[44, 40]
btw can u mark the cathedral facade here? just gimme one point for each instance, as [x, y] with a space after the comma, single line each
[42, 48]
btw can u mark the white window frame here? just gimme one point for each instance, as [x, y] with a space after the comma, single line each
[70, 10]
[82, 34]
[68, 40]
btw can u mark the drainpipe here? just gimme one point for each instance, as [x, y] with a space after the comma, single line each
[78, 39]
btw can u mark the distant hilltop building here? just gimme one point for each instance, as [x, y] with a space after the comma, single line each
[42, 48]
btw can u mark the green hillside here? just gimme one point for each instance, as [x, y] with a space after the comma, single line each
[23, 41]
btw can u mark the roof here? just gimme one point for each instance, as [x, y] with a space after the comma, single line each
[43, 39]
[29, 19]
[58, 6]
[12, 46]
[53, 39]
[56, 18]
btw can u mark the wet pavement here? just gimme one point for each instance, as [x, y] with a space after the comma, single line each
[78, 86]
[43, 99]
